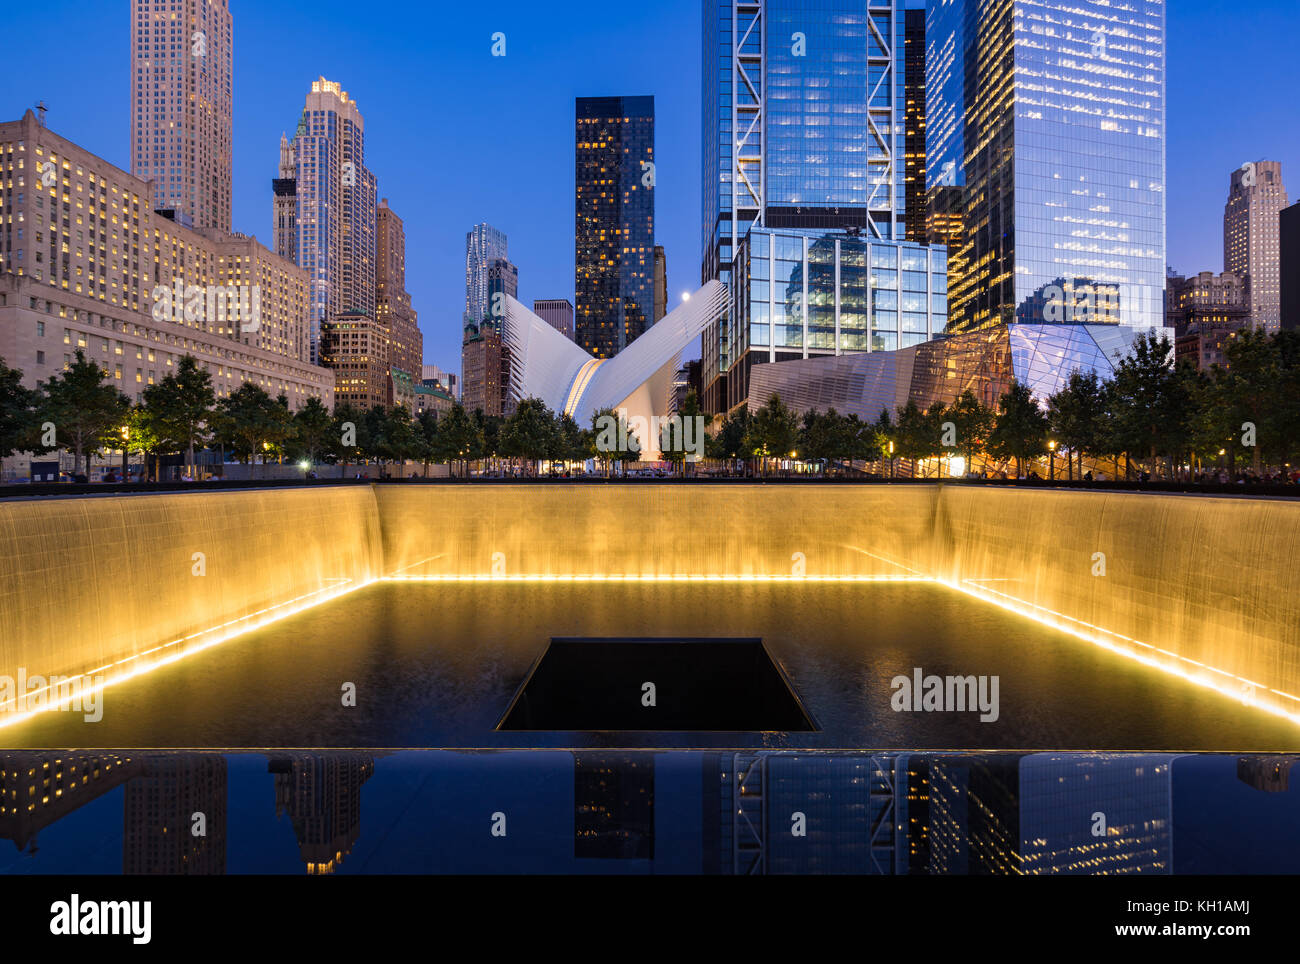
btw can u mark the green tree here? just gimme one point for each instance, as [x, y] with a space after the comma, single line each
[1151, 402]
[773, 432]
[530, 433]
[251, 422]
[918, 435]
[1020, 431]
[972, 422]
[460, 438]
[612, 440]
[86, 409]
[1076, 416]
[400, 438]
[426, 430]
[728, 441]
[180, 405]
[349, 427]
[313, 430]
[18, 422]
[143, 437]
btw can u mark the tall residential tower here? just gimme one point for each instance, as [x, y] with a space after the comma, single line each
[1252, 239]
[614, 221]
[332, 234]
[182, 107]
[484, 245]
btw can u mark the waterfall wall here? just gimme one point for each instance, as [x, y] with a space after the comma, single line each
[1205, 586]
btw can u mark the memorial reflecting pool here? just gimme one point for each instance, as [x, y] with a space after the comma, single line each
[437, 664]
[639, 812]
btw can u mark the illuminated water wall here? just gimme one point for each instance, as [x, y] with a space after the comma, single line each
[109, 586]
[655, 531]
[1204, 587]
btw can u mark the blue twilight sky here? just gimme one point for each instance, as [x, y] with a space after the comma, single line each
[456, 136]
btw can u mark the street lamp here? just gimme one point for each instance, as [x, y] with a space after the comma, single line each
[126, 437]
[1051, 460]
[891, 459]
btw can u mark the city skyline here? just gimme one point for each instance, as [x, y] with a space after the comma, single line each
[405, 134]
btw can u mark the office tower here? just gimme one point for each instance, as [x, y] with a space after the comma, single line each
[113, 295]
[482, 366]
[1251, 238]
[661, 282]
[285, 204]
[914, 139]
[502, 279]
[613, 806]
[333, 233]
[392, 302]
[803, 128]
[614, 230]
[1064, 796]
[38, 789]
[1289, 256]
[432, 374]
[484, 244]
[181, 106]
[556, 312]
[321, 795]
[358, 349]
[159, 814]
[1045, 139]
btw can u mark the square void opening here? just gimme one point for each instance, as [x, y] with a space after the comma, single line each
[699, 684]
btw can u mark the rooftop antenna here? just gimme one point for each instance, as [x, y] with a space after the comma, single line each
[41, 109]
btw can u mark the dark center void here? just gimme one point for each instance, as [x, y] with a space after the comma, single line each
[692, 685]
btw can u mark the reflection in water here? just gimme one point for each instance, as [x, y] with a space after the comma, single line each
[614, 806]
[39, 789]
[174, 819]
[620, 811]
[321, 793]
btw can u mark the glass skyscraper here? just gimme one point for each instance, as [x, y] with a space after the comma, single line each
[803, 128]
[1045, 135]
[614, 215]
[484, 245]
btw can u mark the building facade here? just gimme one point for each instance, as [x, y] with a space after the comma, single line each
[86, 264]
[433, 375]
[392, 302]
[1252, 238]
[802, 294]
[484, 369]
[358, 349]
[334, 229]
[803, 127]
[914, 137]
[1206, 312]
[986, 362]
[614, 215]
[1289, 255]
[1045, 144]
[556, 312]
[661, 282]
[182, 90]
[484, 245]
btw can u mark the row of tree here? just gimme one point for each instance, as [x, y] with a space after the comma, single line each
[81, 411]
[1168, 419]
[1171, 421]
